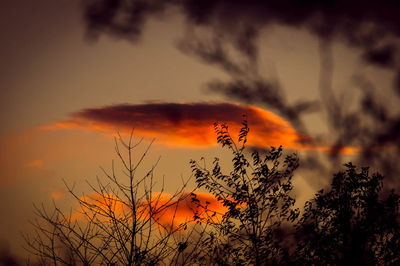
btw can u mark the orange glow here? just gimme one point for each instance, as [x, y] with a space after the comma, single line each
[190, 125]
[185, 209]
[34, 164]
[58, 193]
[168, 213]
[185, 124]
[61, 125]
[100, 205]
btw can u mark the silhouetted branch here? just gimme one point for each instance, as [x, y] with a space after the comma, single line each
[117, 223]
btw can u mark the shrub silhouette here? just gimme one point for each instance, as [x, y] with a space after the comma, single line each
[352, 223]
[257, 195]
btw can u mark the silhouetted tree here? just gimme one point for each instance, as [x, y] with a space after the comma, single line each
[257, 196]
[351, 224]
[354, 222]
[118, 223]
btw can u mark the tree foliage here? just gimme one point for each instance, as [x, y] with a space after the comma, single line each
[352, 223]
[257, 196]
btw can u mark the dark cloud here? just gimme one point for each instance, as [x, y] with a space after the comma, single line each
[157, 114]
[189, 124]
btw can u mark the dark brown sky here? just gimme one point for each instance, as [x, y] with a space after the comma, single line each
[49, 73]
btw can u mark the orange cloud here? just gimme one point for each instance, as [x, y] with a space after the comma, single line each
[202, 207]
[187, 124]
[58, 193]
[100, 205]
[167, 212]
[34, 164]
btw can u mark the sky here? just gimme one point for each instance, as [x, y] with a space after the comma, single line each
[68, 86]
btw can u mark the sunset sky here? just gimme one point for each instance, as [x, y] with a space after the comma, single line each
[64, 96]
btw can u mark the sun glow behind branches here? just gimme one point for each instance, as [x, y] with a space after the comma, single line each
[163, 210]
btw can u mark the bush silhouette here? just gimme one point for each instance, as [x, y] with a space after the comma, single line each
[257, 196]
[352, 223]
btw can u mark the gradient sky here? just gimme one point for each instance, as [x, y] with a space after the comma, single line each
[56, 89]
